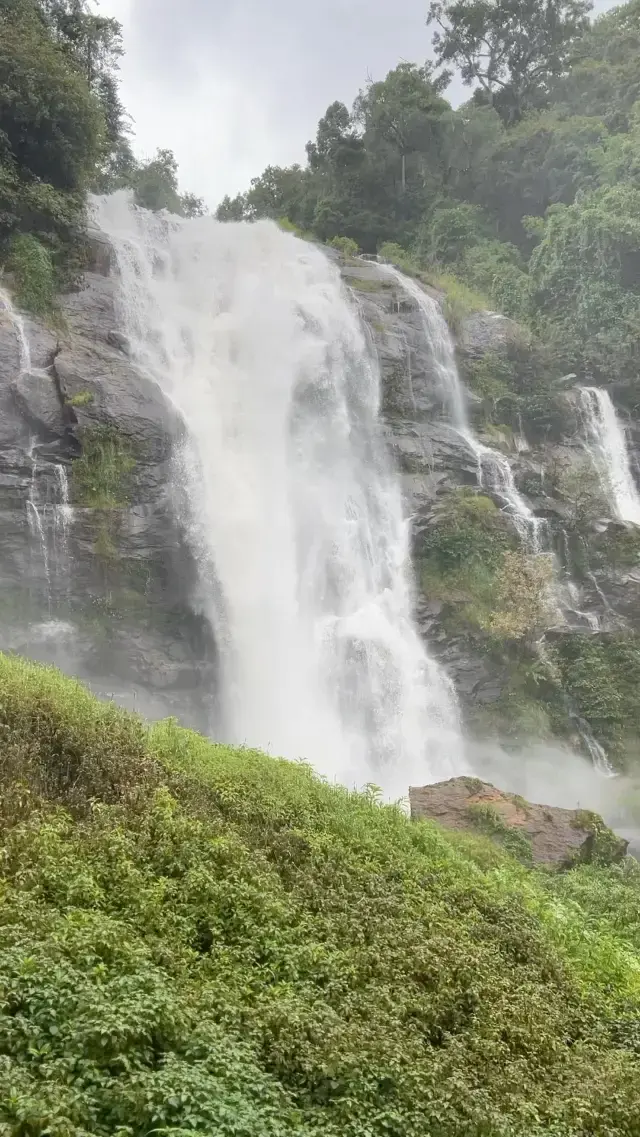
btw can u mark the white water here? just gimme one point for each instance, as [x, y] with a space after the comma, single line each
[17, 322]
[36, 519]
[494, 469]
[607, 445]
[292, 507]
[42, 518]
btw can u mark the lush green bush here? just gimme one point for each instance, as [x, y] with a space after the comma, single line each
[345, 245]
[33, 274]
[203, 939]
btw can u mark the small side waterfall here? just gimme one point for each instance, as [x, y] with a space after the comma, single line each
[293, 508]
[37, 518]
[607, 445]
[48, 522]
[17, 322]
[494, 469]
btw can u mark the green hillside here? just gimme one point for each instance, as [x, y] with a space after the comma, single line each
[195, 938]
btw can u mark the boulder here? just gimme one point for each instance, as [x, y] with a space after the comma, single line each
[546, 835]
[482, 332]
[102, 388]
[37, 400]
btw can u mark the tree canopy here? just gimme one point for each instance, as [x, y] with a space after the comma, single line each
[506, 192]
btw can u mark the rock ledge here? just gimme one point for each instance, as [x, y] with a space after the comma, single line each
[543, 834]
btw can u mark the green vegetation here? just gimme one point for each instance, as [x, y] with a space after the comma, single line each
[345, 245]
[487, 819]
[602, 676]
[63, 131]
[469, 558]
[101, 476]
[33, 275]
[82, 399]
[526, 196]
[362, 284]
[201, 939]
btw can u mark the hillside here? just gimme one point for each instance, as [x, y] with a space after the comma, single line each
[195, 938]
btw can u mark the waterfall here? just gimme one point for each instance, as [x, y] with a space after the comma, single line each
[44, 520]
[607, 446]
[494, 469]
[291, 505]
[17, 323]
[35, 518]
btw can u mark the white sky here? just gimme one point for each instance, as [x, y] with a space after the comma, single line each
[232, 86]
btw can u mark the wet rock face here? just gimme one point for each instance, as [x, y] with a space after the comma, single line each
[106, 590]
[546, 835]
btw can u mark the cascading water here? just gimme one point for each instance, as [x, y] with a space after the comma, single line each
[17, 323]
[494, 469]
[292, 507]
[48, 524]
[607, 445]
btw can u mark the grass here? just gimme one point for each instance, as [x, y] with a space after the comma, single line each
[100, 477]
[460, 301]
[360, 284]
[82, 399]
[33, 275]
[200, 938]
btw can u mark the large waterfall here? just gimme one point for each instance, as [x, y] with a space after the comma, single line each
[607, 445]
[290, 501]
[494, 469]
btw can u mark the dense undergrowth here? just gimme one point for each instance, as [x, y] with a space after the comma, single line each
[195, 938]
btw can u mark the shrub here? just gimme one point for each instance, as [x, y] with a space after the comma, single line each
[33, 275]
[345, 245]
[198, 938]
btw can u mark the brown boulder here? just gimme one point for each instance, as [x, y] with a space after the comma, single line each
[541, 834]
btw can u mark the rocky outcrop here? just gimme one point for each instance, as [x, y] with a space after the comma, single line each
[545, 835]
[108, 588]
[96, 578]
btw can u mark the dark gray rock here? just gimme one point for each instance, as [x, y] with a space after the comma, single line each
[482, 332]
[38, 401]
[102, 388]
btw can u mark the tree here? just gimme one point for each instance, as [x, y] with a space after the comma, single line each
[513, 49]
[278, 192]
[232, 208]
[400, 117]
[94, 45]
[585, 278]
[50, 126]
[604, 76]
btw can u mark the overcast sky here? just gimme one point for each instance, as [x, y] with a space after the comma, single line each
[234, 85]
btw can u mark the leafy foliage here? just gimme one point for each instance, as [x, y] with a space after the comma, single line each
[33, 275]
[513, 49]
[602, 677]
[195, 938]
[101, 476]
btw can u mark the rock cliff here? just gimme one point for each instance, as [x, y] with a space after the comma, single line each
[95, 573]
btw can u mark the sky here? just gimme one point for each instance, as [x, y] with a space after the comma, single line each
[232, 86]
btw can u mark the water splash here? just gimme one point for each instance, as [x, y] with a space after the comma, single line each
[494, 469]
[293, 509]
[607, 445]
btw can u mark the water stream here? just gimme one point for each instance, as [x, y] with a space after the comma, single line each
[291, 503]
[607, 445]
[494, 469]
